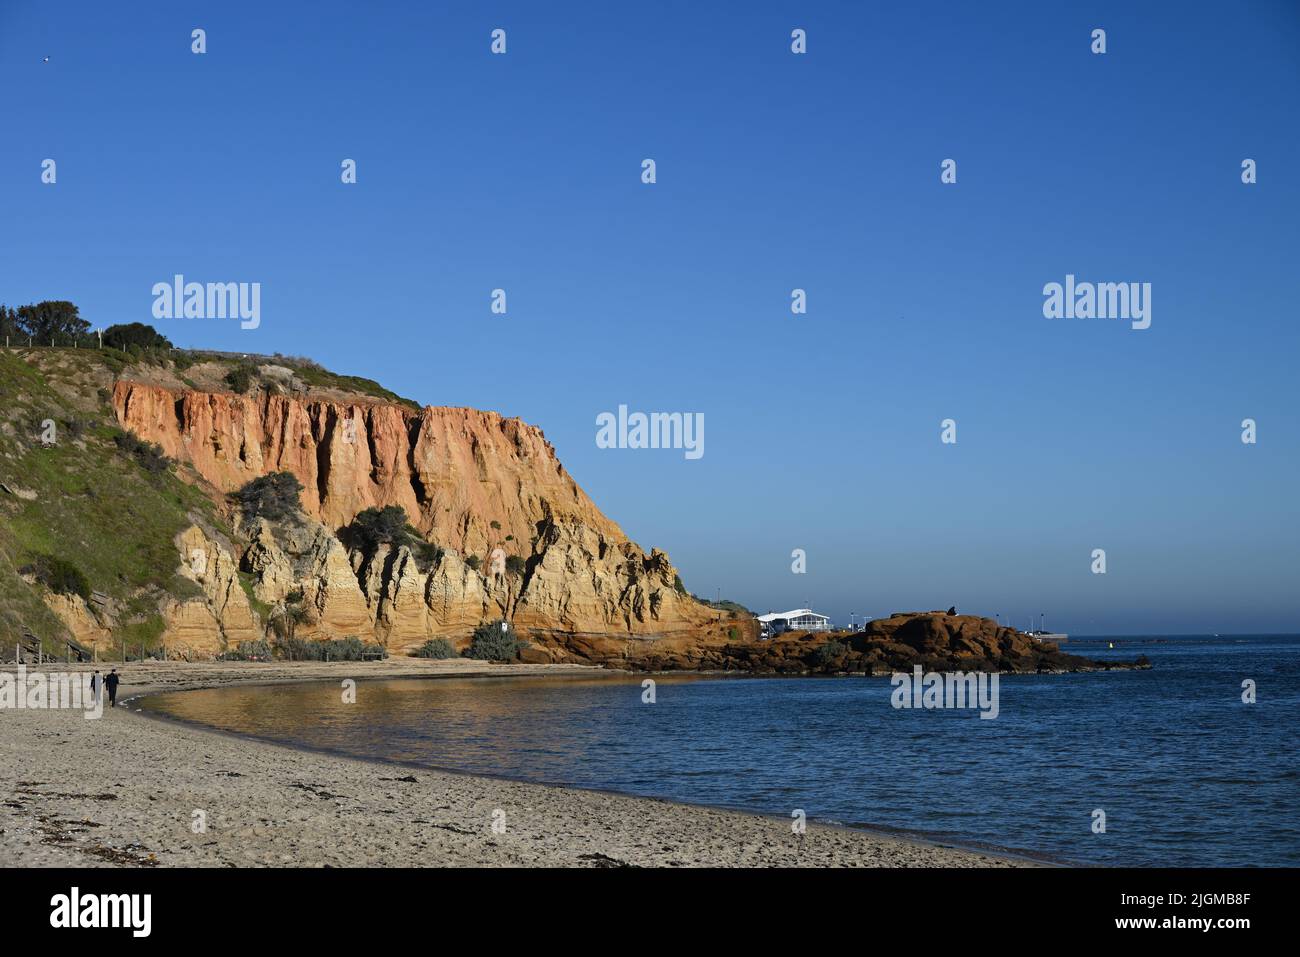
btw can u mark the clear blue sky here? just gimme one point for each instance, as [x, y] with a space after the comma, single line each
[775, 171]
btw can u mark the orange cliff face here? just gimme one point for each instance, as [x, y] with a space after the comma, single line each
[472, 482]
[454, 471]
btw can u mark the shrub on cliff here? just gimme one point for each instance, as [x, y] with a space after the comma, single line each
[241, 378]
[284, 621]
[75, 427]
[58, 575]
[515, 566]
[439, 648]
[388, 526]
[149, 456]
[426, 554]
[273, 497]
[494, 641]
[381, 526]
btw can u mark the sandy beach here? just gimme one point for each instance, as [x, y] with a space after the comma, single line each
[126, 790]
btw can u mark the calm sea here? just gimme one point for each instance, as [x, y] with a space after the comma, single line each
[1186, 773]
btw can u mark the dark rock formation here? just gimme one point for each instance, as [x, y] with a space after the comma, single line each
[934, 640]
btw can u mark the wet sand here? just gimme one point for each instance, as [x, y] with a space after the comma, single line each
[127, 790]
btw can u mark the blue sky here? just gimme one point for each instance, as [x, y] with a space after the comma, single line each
[775, 171]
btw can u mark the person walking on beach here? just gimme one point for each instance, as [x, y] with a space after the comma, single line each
[110, 682]
[96, 686]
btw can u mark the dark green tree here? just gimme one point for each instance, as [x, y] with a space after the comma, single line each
[272, 497]
[135, 334]
[52, 321]
[381, 526]
[10, 329]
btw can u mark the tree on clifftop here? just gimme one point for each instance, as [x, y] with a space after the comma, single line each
[9, 326]
[123, 336]
[51, 321]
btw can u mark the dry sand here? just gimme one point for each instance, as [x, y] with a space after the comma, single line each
[124, 789]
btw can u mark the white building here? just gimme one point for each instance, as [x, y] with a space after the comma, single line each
[799, 619]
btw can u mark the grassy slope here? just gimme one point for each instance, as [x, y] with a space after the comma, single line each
[96, 507]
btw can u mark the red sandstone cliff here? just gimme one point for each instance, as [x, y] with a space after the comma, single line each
[472, 482]
[454, 471]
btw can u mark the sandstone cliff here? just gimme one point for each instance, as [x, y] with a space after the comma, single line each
[469, 480]
[473, 483]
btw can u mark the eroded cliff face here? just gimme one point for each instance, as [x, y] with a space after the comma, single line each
[454, 471]
[473, 483]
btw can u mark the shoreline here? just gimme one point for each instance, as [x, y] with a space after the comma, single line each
[130, 791]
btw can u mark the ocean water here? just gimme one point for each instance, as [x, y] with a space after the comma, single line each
[1186, 773]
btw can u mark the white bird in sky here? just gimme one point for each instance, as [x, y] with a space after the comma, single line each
[47, 59]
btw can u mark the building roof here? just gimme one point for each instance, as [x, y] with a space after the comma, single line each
[796, 613]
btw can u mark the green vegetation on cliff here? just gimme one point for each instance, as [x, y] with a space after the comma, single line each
[734, 609]
[84, 507]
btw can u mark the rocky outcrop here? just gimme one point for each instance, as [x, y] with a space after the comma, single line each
[84, 627]
[191, 630]
[207, 563]
[934, 640]
[579, 577]
[267, 561]
[575, 584]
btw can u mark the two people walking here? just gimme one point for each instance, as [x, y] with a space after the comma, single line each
[107, 682]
